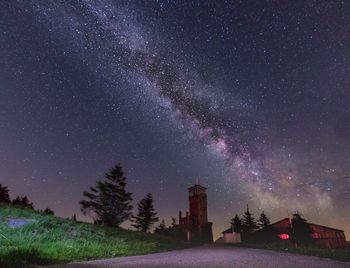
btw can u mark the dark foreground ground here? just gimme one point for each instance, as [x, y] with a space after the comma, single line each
[215, 256]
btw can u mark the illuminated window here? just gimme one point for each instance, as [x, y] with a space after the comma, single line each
[283, 236]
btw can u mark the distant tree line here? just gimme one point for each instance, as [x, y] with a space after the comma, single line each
[19, 201]
[247, 225]
[261, 231]
[108, 203]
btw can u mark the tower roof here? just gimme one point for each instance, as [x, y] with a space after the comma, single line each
[197, 187]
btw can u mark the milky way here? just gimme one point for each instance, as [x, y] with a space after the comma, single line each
[251, 99]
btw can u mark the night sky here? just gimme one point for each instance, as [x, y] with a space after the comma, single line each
[249, 98]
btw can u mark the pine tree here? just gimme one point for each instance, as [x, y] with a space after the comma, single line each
[17, 201]
[49, 211]
[108, 200]
[249, 224]
[4, 195]
[146, 215]
[161, 228]
[263, 220]
[173, 222]
[236, 224]
[23, 202]
[301, 230]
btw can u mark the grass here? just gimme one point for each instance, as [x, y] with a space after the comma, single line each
[48, 240]
[340, 254]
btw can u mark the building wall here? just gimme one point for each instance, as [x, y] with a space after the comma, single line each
[328, 237]
[323, 235]
[195, 224]
[231, 238]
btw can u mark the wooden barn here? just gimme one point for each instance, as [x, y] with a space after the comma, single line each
[322, 235]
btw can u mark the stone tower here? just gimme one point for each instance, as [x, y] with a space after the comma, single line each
[198, 204]
[195, 225]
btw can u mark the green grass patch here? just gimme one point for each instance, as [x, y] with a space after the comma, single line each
[48, 240]
[340, 254]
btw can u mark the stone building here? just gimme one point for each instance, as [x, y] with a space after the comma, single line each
[195, 225]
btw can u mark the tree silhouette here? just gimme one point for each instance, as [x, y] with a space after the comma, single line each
[263, 220]
[236, 224]
[49, 211]
[23, 202]
[248, 221]
[161, 228]
[301, 230]
[108, 200]
[173, 221]
[146, 215]
[4, 195]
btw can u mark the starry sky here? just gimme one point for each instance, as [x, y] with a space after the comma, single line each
[249, 98]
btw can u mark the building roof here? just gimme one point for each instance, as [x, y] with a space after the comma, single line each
[197, 186]
[229, 230]
[310, 223]
[331, 228]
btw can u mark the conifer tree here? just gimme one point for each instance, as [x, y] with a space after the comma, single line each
[4, 195]
[249, 224]
[263, 220]
[161, 228]
[108, 200]
[301, 230]
[23, 202]
[236, 224]
[146, 215]
[173, 222]
[49, 211]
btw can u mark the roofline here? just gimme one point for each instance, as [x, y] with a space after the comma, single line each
[197, 185]
[326, 227]
[323, 226]
[279, 221]
[227, 231]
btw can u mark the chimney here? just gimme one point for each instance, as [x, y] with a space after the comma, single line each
[180, 216]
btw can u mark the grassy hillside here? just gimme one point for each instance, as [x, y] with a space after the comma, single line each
[48, 239]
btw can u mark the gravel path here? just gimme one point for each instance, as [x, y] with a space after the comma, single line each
[214, 256]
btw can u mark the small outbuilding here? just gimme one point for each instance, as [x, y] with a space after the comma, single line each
[229, 236]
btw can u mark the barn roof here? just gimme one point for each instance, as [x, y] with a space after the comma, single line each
[310, 223]
[229, 230]
[326, 227]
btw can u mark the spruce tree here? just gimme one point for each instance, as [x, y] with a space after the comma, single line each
[49, 211]
[263, 220]
[301, 230]
[236, 224]
[108, 200]
[17, 201]
[249, 224]
[23, 202]
[161, 228]
[4, 195]
[173, 222]
[146, 215]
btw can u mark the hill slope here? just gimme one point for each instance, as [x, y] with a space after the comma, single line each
[47, 239]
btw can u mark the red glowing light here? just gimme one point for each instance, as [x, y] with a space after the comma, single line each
[284, 236]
